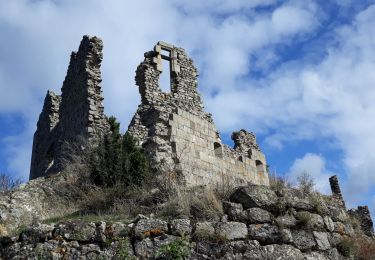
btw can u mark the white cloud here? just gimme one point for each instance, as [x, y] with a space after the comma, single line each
[315, 166]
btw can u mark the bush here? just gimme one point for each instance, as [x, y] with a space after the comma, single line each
[118, 159]
[176, 250]
[278, 183]
[7, 182]
[347, 247]
[206, 205]
[306, 183]
[304, 219]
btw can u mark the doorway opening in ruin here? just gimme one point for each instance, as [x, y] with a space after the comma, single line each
[165, 76]
[260, 167]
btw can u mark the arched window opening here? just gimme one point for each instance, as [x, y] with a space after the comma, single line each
[218, 150]
[260, 167]
[240, 159]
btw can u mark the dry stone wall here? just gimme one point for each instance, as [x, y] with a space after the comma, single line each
[78, 112]
[258, 223]
[179, 137]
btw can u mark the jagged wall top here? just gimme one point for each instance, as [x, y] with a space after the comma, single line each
[183, 78]
[78, 112]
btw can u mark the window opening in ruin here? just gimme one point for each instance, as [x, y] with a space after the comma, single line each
[218, 150]
[165, 76]
[240, 159]
[260, 167]
[249, 153]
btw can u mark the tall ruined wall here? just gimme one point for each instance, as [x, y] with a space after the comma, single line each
[179, 136]
[45, 137]
[79, 111]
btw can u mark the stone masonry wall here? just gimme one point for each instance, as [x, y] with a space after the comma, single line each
[180, 138]
[45, 136]
[80, 112]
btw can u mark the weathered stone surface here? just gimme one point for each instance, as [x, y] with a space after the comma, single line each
[179, 136]
[180, 227]
[39, 199]
[37, 233]
[315, 256]
[362, 214]
[234, 211]
[334, 238]
[204, 229]
[78, 231]
[311, 220]
[231, 230]
[337, 213]
[296, 199]
[257, 215]
[286, 252]
[336, 190]
[77, 113]
[287, 221]
[151, 226]
[269, 234]
[321, 239]
[147, 248]
[303, 240]
[328, 223]
[255, 196]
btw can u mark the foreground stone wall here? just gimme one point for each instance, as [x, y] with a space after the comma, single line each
[78, 112]
[259, 223]
[179, 137]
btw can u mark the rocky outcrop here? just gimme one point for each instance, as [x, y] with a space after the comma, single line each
[39, 199]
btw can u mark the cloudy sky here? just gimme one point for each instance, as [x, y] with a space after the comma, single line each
[300, 74]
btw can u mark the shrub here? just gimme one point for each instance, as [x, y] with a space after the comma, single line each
[118, 159]
[7, 182]
[304, 218]
[206, 205]
[176, 250]
[278, 183]
[306, 183]
[365, 248]
[225, 188]
[318, 203]
[347, 247]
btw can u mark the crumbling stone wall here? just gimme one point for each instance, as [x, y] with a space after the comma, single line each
[78, 112]
[179, 137]
[44, 145]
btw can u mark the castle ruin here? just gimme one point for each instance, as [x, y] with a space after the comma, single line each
[179, 138]
[77, 112]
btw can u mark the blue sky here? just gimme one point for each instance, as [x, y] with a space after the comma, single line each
[300, 74]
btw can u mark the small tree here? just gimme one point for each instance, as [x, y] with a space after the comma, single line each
[118, 159]
[306, 182]
[7, 182]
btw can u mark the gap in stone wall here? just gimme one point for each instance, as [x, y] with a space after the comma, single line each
[165, 76]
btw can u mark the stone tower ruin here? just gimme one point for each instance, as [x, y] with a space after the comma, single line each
[78, 112]
[178, 136]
